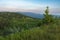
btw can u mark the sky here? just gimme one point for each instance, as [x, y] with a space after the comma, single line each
[29, 5]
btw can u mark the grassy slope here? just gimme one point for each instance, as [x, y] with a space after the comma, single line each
[43, 32]
[11, 22]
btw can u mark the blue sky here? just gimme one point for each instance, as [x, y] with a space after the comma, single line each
[29, 5]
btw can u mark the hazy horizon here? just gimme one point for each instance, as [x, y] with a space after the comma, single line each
[37, 6]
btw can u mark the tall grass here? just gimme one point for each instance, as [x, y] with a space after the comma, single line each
[44, 32]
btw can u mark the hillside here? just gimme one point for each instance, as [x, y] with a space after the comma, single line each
[15, 26]
[11, 22]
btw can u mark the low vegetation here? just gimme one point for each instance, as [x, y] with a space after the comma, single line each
[15, 26]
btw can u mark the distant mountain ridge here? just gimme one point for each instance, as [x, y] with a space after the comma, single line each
[34, 15]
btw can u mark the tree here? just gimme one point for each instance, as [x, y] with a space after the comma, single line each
[47, 18]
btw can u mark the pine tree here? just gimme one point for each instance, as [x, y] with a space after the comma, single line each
[47, 18]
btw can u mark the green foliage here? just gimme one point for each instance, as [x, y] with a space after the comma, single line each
[14, 26]
[48, 18]
[11, 22]
[45, 32]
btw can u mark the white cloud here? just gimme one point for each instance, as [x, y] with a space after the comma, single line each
[18, 5]
[22, 5]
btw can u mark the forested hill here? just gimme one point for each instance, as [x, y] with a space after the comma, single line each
[11, 14]
[11, 22]
[15, 26]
